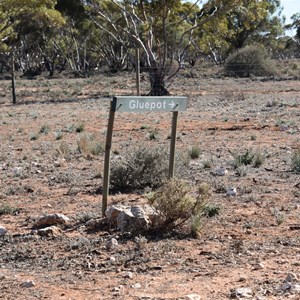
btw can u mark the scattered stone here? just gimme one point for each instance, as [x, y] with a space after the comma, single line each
[231, 192]
[94, 224]
[17, 171]
[112, 244]
[192, 297]
[221, 171]
[136, 286]
[52, 231]
[259, 266]
[285, 287]
[2, 276]
[112, 259]
[51, 219]
[113, 212]
[291, 278]
[2, 230]
[132, 218]
[242, 293]
[243, 278]
[27, 284]
[128, 275]
[128, 222]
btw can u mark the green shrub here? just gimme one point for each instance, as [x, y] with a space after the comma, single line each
[176, 204]
[211, 210]
[242, 159]
[296, 161]
[79, 128]
[143, 167]
[252, 60]
[194, 152]
[247, 158]
[6, 209]
[45, 129]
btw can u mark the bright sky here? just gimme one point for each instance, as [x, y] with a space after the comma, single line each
[290, 7]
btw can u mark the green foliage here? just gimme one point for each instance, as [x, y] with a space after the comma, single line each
[211, 210]
[6, 209]
[296, 161]
[194, 152]
[143, 167]
[176, 204]
[45, 129]
[34, 136]
[79, 128]
[250, 61]
[247, 158]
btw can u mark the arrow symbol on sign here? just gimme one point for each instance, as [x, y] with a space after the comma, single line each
[173, 104]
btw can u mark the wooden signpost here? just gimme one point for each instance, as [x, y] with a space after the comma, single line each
[140, 104]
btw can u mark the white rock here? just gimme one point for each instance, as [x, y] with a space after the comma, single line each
[112, 259]
[17, 171]
[126, 221]
[192, 297]
[113, 212]
[296, 288]
[221, 171]
[243, 293]
[112, 244]
[2, 230]
[52, 231]
[27, 284]
[128, 275]
[231, 192]
[136, 286]
[51, 219]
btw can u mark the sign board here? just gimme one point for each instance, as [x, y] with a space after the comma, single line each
[149, 104]
[140, 104]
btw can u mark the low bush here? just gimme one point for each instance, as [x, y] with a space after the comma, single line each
[88, 144]
[296, 161]
[249, 157]
[252, 60]
[194, 152]
[143, 167]
[177, 203]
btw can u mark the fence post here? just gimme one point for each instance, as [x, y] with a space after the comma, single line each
[107, 159]
[173, 144]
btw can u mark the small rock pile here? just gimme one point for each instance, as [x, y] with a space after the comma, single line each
[132, 218]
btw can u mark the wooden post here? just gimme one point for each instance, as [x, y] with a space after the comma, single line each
[137, 63]
[107, 159]
[173, 144]
[13, 78]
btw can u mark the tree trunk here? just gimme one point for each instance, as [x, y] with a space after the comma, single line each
[157, 83]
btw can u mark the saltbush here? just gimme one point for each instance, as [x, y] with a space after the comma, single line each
[252, 60]
[296, 161]
[177, 203]
[143, 167]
